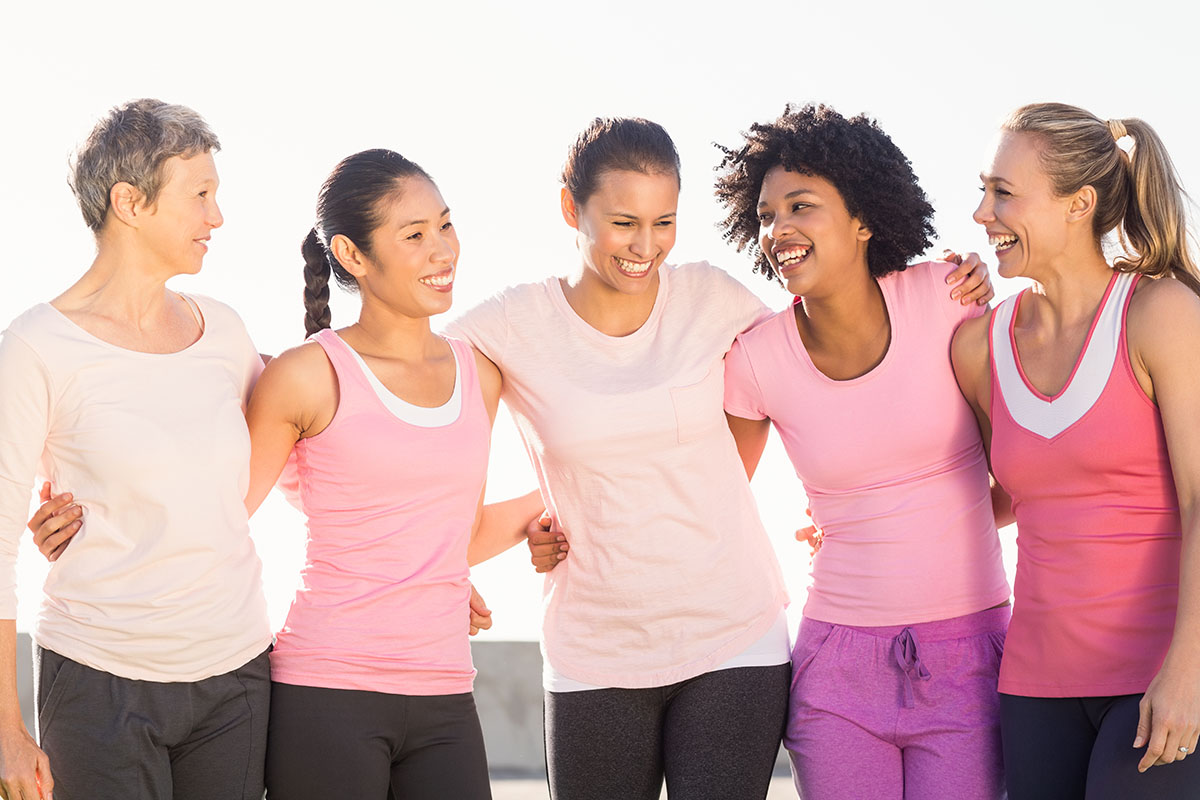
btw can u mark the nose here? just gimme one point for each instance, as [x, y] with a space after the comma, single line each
[983, 211]
[781, 226]
[643, 242]
[215, 218]
[446, 252]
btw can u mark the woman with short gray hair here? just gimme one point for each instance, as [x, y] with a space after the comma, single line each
[152, 636]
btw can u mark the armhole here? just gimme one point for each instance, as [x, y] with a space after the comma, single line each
[338, 396]
[1124, 342]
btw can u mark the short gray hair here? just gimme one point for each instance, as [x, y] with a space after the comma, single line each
[130, 144]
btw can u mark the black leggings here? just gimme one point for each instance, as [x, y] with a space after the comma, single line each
[324, 743]
[714, 736]
[1072, 748]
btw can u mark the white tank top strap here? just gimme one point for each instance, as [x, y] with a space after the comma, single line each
[1050, 416]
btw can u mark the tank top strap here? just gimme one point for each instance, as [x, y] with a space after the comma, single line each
[352, 384]
[468, 376]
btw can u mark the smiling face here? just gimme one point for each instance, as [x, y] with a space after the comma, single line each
[626, 229]
[1025, 220]
[808, 235]
[413, 252]
[177, 227]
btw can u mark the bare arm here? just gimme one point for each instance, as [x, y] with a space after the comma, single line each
[750, 435]
[296, 396]
[1164, 345]
[499, 526]
[24, 768]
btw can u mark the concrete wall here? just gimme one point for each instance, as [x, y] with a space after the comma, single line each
[508, 692]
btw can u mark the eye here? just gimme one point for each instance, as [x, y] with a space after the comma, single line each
[414, 237]
[764, 219]
[1004, 192]
[204, 193]
[666, 223]
[447, 225]
[623, 224]
[798, 206]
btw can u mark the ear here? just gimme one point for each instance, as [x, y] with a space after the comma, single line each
[348, 255]
[863, 233]
[1082, 204]
[570, 211]
[125, 203]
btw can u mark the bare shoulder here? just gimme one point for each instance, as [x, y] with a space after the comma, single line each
[1163, 313]
[970, 342]
[303, 372]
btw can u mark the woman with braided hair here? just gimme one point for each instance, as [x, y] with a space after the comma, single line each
[1088, 388]
[389, 425]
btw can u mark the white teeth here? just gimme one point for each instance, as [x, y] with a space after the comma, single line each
[792, 255]
[445, 279]
[1002, 241]
[634, 267]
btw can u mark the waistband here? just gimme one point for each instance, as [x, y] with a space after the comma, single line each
[992, 620]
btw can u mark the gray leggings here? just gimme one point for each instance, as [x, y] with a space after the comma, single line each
[713, 736]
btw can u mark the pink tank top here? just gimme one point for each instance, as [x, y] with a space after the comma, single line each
[390, 506]
[1097, 518]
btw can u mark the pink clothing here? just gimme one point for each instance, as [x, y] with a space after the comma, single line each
[1098, 523]
[390, 507]
[891, 461]
[670, 572]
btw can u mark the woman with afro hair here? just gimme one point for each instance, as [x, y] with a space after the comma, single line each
[896, 658]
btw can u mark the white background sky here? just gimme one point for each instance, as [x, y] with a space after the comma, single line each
[487, 97]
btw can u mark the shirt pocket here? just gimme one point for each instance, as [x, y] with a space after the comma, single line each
[699, 407]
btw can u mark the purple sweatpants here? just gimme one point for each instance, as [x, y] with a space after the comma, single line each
[898, 713]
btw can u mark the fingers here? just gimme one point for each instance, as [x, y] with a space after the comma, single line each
[54, 533]
[45, 779]
[1156, 749]
[546, 547]
[952, 257]
[44, 494]
[481, 615]
[50, 506]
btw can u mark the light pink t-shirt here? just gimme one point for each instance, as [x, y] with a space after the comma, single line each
[670, 571]
[390, 507]
[891, 461]
[162, 582]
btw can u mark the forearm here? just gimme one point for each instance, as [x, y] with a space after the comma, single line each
[10, 703]
[502, 525]
[1185, 643]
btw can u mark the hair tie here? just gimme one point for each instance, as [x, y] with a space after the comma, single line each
[1117, 128]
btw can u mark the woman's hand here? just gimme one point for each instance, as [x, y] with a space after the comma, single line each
[811, 534]
[481, 615]
[971, 281]
[1170, 716]
[55, 523]
[546, 547]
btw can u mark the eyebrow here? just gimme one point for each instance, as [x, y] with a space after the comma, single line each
[445, 212]
[993, 179]
[789, 196]
[626, 215]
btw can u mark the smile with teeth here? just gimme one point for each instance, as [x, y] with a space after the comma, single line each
[1002, 242]
[792, 255]
[633, 267]
[439, 281]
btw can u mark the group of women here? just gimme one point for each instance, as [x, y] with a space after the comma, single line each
[644, 393]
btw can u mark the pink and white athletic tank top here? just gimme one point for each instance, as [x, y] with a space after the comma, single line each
[1097, 517]
[383, 604]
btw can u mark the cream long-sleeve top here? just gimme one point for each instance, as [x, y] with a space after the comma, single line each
[162, 582]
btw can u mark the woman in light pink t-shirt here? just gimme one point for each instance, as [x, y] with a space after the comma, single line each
[664, 639]
[898, 651]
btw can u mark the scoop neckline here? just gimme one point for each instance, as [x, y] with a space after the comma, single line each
[646, 329]
[192, 303]
[798, 343]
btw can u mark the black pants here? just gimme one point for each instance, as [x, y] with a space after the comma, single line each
[1074, 748]
[327, 743]
[111, 738]
[714, 736]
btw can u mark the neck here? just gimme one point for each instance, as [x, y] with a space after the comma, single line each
[607, 310]
[122, 283]
[386, 333]
[1071, 284]
[852, 315]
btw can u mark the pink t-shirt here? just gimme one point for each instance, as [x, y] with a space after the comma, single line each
[891, 461]
[390, 506]
[1098, 542]
[670, 572]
